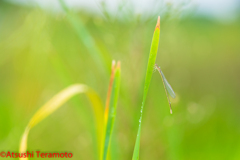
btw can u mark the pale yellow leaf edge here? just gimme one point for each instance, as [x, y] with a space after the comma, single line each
[54, 103]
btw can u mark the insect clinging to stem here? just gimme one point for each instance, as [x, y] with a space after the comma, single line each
[167, 87]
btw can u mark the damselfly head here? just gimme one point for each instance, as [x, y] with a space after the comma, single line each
[156, 66]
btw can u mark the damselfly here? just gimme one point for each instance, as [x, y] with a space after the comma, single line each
[167, 87]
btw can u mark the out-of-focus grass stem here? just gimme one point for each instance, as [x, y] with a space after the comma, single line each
[84, 35]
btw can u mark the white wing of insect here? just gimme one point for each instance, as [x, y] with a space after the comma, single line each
[167, 87]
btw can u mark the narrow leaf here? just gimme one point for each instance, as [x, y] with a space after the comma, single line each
[109, 91]
[57, 101]
[110, 111]
[86, 38]
[150, 67]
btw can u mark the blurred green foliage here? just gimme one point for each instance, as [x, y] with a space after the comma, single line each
[40, 54]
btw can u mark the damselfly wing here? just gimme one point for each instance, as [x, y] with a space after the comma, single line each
[167, 87]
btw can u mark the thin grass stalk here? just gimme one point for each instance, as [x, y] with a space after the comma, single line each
[111, 105]
[84, 35]
[150, 68]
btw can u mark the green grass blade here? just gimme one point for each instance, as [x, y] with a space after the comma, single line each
[111, 111]
[57, 101]
[84, 35]
[150, 68]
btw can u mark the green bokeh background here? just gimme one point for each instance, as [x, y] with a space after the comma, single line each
[41, 54]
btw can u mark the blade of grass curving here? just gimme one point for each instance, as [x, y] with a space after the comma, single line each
[111, 105]
[98, 111]
[150, 68]
[85, 37]
[56, 102]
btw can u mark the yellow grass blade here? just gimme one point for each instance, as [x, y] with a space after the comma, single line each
[57, 101]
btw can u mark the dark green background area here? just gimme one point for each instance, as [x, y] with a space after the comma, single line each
[41, 54]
